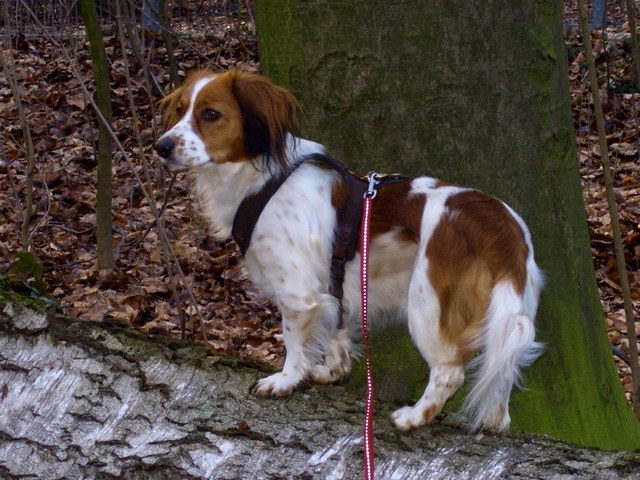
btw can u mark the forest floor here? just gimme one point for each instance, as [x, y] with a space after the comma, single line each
[239, 321]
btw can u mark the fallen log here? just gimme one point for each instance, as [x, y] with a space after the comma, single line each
[96, 400]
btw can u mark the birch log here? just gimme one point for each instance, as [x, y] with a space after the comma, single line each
[96, 400]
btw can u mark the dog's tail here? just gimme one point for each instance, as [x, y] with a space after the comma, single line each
[507, 344]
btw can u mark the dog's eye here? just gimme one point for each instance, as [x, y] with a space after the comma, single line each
[210, 115]
[179, 110]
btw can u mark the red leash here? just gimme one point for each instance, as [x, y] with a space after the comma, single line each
[364, 271]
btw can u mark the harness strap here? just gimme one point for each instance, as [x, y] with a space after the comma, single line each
[348, 221]
[250, 210]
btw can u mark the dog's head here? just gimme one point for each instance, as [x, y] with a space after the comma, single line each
[227, 117]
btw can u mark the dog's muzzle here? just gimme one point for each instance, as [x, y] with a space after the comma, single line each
[165, 147]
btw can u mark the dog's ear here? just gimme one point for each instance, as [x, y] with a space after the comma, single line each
[269, 112]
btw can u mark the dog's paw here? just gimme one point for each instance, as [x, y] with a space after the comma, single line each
[336, 366]
[277, 385]
[408, 418]
[324, 374]
[496, 421]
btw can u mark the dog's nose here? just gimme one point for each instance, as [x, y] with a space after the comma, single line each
[164, 147]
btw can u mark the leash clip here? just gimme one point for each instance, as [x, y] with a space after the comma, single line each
[373, 182]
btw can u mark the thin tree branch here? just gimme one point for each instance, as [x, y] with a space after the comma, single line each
[164, 241]
[148, 195]
[10, 74]
[613, 211]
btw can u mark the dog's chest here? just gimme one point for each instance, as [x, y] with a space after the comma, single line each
[290, 250]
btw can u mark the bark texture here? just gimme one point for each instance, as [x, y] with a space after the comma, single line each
[476, 93]
[88, 400]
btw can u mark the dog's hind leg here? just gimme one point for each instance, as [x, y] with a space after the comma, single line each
[444, 322]
[446, 371]
[307, 325]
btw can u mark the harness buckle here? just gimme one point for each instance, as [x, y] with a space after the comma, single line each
[372, 191]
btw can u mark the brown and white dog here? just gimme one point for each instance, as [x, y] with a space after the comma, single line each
[454, 263]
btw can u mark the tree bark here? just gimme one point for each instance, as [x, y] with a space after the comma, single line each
[95, 400]
[474, 93]
[167, 38]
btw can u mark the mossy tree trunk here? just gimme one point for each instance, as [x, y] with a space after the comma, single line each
[475, 93]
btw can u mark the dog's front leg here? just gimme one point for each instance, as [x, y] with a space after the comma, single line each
[296, 365]
[307, 325]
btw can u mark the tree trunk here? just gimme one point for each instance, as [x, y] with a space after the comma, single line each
[151, 15]
[167, 38]
[92, 400]
[104, 234]
[474, 93]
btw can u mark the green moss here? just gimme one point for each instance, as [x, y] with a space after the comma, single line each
[16, 292]
[399, 372]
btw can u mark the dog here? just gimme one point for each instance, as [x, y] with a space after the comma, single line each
[455, 264]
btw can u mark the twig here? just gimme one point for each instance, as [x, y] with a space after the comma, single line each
[12, 183]
[10, 75]
[45, 215]
[635, 48]
[150, 200]
[180, 39]
[613, 212]
[635, 53]
[621, 354]
[123, 234]
[70, 230]
[167, 251]
[160, 212]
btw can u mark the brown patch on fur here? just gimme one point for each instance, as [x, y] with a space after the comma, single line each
[174, 105]
[224, 137]
[394, 209]
[339, 194]
[492, 231]
[476, 244]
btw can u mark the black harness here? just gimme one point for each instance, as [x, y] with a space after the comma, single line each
[348, 222]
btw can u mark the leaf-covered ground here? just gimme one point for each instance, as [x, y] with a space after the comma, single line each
[620, 94]
[238, 320]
